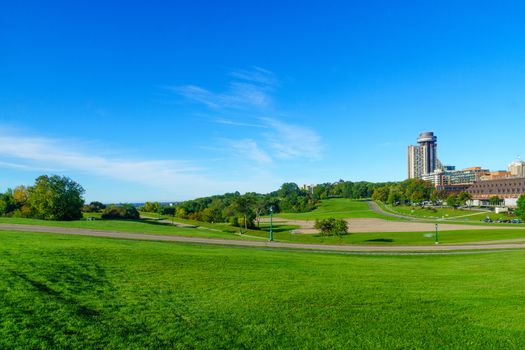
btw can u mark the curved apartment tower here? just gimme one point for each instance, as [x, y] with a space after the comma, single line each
[422, 159]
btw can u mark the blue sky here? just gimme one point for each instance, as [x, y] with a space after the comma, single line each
[173, 100]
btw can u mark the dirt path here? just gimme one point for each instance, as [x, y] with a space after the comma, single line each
[364, 225]
[490, 245]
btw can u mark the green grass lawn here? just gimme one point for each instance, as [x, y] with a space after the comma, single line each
[400, 238]
[281, 232]
[83, 292]
[339, 208]
[447, 213]
[132, 226]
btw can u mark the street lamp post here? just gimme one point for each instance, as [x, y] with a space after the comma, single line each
[271, 227]
[437, 237]
[172, 214]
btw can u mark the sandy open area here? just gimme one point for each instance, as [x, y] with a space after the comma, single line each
[379, 225]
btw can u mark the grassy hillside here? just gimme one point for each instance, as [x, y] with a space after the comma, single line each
[336, 208]
[282, 232]
[132, 226]
[79, 292]
[447, 213]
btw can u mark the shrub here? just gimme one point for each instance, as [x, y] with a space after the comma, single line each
[331, 226]
[123, 211]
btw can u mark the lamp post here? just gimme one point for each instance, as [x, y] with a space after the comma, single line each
[172, 214]
[437, 237]
[271, 227]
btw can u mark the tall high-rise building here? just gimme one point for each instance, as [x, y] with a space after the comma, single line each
[422, 159]
[517, 168]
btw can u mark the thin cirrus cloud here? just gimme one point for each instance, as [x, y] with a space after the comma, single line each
[249, 149]
[37, 153]
[290, 141]
[250, 89]
[251, 92]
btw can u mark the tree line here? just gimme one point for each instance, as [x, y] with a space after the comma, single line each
[50, 198]
[417, 191]
[245, 210]
[57, 198]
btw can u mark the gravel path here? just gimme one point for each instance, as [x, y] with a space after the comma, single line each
[363, 225]
[489, 245]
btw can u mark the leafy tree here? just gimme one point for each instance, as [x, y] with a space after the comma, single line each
[93, 207]
[56, 198]
[417, 197]
[148, 207]
[494, 200]
[394, 196]
[520, 209]
[331, 226]
[7, 203]
[452, 201]
[380, 194]
[181, 213]
[245, 206]
[123, 211]
[463, 198]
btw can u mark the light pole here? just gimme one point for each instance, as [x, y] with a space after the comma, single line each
[437, 237]
[172, 214]
[271, 227]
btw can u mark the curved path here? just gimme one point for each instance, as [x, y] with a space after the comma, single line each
[489, 245]
[377, 209]
[363, 225]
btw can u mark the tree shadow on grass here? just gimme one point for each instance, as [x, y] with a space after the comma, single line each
[380, 240]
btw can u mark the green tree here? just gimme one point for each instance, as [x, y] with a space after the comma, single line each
[520, 209]
[148, 207]
[380, 194]
[56, 198]
[417, 197]
[452, 201]
[244, 206]
[494, 200]
[122, 211]
[331, 226]
[394, 196]
[463, 198]
[93, 207]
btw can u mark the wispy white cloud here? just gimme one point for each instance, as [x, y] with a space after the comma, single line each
[250, 89]
[25, 167]
[249, 149]
[257, 75]
[181, 178]
[291, 141]
[242, 124]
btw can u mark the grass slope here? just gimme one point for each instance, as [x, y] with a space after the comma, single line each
[131, 226]
[339, 208]
[81, 292]
[448, 213]
[281, 232]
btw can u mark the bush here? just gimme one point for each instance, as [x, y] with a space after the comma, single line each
[93, 207]
[520, 210]
[331, 226]
[123, 211]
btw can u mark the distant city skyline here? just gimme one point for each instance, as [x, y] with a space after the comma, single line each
[176, 101]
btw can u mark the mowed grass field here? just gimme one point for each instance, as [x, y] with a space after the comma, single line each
[133, 226]
[281, 232]
[339, 208]
[84, 292]
[471, 216]
[402, 238]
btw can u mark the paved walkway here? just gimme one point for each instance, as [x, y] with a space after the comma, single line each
[364, 225]
[489, 245]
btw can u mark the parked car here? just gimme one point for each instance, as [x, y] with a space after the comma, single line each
[516, 221]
